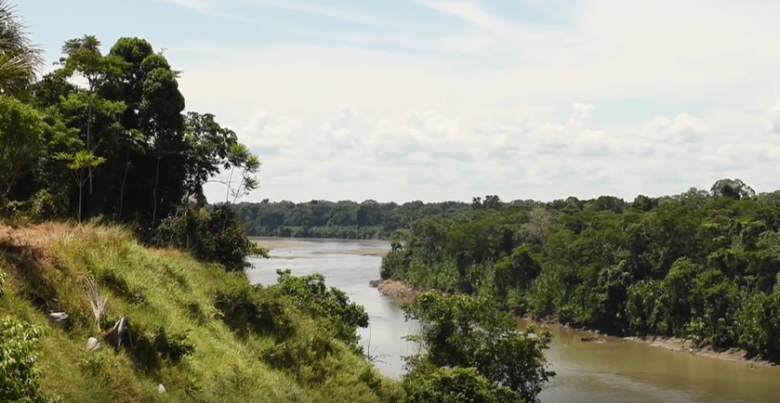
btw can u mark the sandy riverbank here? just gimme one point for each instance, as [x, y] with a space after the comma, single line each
[402, 292]
[283, 243]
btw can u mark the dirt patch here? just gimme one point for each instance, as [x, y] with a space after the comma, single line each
[272, 244]
[35, 236]
[394, 289]
[687, 346]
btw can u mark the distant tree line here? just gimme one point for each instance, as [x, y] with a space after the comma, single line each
[348, 219]
[701, 265]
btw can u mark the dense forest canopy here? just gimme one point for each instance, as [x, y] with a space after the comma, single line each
[702, 265]
[346, 219]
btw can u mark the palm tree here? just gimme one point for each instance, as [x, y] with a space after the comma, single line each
[20, 59]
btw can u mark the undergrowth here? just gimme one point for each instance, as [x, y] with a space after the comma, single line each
[204, 333]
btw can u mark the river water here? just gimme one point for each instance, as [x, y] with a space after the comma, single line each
[614, 372]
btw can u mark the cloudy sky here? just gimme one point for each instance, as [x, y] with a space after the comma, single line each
[449, 99]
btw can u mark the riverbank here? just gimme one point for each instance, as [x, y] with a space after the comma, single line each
[293, 243]
[394, 289]
[404, 293]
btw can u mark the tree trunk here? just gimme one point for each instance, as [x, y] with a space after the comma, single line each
[124, 181]
[154, 192]
[89, 132]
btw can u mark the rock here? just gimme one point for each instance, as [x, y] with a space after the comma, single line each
[93, 344]
[374, 283]
[58, 317]
[161, 388]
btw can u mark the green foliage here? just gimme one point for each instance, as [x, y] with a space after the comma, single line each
[132, 153]
[211, 236]
[344, 219]
[456, 385]
[18, 355]
[461, 332]
[696, 265]
[275, 310]
[331, 306]
[21, 127]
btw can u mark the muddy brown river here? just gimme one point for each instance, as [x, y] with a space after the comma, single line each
[614, 372]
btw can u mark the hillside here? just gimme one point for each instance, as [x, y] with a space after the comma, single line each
[203, 333]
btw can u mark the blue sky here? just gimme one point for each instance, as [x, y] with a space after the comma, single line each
[447, 99]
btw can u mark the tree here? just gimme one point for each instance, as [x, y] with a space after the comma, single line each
[81, 165]
[733, 188]
[461, 331]
[83, 57]
[21, 127]
[20, 59]
[539, 224]
[239, 157]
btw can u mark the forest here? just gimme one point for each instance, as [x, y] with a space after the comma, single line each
[120, 283]
[344, 219]
[701, 265]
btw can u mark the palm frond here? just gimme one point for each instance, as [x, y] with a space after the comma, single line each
[96, 301]
[21, 60]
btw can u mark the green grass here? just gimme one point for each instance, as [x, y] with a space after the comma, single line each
[46, 267]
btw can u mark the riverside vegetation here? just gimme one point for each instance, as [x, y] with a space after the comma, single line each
[118, 283]
[701, 266]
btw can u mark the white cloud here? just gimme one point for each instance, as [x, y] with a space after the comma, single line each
[773, 119]
[445, 124]
[427, 155]
[319, 10]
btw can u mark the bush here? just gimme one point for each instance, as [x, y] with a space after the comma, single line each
[18, 375]
[211, 236]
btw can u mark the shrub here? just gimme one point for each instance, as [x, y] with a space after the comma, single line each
[211, 236]
[18, 374]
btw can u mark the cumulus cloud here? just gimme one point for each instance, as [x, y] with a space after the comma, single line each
[437, 119]
[432, 156]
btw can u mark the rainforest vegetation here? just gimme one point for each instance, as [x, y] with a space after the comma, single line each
[344, 219]
[701, 265]
[119, 283]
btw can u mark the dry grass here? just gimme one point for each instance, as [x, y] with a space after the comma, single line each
[47, 265]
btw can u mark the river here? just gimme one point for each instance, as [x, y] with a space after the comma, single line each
[614, 372]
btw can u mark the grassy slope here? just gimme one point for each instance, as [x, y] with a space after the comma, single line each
[47, 265]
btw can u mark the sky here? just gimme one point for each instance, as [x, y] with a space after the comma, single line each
[448, 99]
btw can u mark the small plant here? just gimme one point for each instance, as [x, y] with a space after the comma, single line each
[18, 354]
